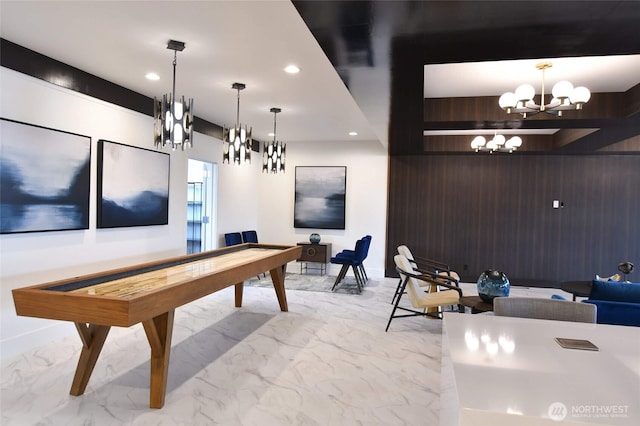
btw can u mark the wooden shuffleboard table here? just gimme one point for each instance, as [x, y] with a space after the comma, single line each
[149, 294]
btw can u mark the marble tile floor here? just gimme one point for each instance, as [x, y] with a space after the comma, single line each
[328, 361]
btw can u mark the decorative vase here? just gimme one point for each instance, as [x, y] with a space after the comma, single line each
[314, 238]
[493, 283]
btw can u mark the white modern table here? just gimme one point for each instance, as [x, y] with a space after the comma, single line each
[510, 371]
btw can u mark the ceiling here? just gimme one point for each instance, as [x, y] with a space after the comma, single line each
[344, 50]
[226, 41]
[600, 74]
[467, 49]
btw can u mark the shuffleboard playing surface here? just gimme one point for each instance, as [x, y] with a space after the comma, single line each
[149, 294]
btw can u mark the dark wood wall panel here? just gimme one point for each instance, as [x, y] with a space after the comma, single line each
[477, 212]
[462, 143]
[486, 108]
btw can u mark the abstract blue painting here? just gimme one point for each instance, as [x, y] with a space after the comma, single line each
[44, 178]
[133, 186]
[320, 197]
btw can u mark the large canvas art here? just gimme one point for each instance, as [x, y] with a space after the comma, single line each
[133, 186]
[320, 197]
[44, 178]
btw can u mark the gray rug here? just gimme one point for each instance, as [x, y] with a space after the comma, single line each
[303, 282]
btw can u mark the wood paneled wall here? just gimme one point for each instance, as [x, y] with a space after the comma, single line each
[495, 211]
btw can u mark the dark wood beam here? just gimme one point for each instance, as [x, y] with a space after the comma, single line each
[34, 64]
[604, 137]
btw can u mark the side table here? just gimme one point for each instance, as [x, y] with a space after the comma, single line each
[577, 288]
[315, 253]
[476, 304]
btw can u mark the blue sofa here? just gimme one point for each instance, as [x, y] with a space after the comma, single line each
[618, 303]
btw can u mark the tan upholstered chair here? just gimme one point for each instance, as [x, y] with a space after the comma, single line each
[426, 266]
[420, 300]
[539, 308]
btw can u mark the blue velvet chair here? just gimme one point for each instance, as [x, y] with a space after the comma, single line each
[232, 238]
[354, 262]
[618, 303]
[249, 236]
[351, 253]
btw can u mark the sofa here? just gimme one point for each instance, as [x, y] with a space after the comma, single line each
[617, 302]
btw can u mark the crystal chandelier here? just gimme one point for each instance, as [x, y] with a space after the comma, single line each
[274, 153]
[173, 120]
[237, 140]
[498, 144]
[565, 97]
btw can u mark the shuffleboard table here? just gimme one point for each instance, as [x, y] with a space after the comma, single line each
[149, 294]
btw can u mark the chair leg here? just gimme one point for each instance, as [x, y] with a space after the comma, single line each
[398, 292]
[359, 281]
[401, 286]
[340, 276]
[363, 274]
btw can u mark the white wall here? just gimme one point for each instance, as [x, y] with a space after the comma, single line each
[247, 199]
[366, 199]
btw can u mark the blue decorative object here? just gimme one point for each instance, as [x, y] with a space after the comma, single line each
[314, 238]
[493, 283]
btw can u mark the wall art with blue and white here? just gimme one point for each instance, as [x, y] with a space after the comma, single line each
[44, 178]
[133, 186]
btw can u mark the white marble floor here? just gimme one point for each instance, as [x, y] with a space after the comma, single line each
[328, 361]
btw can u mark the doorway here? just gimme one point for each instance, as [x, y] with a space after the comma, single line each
[200, 206]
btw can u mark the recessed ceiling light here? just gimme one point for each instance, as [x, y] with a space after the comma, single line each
[271, 134]
[353, 133]
[152, 76]
[292, 69]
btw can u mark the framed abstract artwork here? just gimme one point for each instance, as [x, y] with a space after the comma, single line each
[133, 186]
[320, 197]
[44, 178]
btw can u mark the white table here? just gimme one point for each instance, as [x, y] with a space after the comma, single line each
[510, 371]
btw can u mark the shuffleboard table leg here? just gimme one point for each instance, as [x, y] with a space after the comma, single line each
[239, 291]
[93, 337]
[277, 277]
[159, 331]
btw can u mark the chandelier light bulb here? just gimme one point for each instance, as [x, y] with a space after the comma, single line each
[478, 142]
[516, 142]
[499, 140]
[579, 96]
[507, 100]
[525, 92]
[562, 90]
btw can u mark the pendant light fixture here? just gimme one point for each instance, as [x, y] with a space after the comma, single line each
[274, 153]
[498, 144]
[565, 97]
[237, 141]
[173, 119]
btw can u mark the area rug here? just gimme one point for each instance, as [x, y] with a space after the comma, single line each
[303, 282]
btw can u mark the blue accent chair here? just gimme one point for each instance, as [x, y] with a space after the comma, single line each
[618, 302]
[351, 253]
[249, 236]
[232, 238]
[354, 262]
